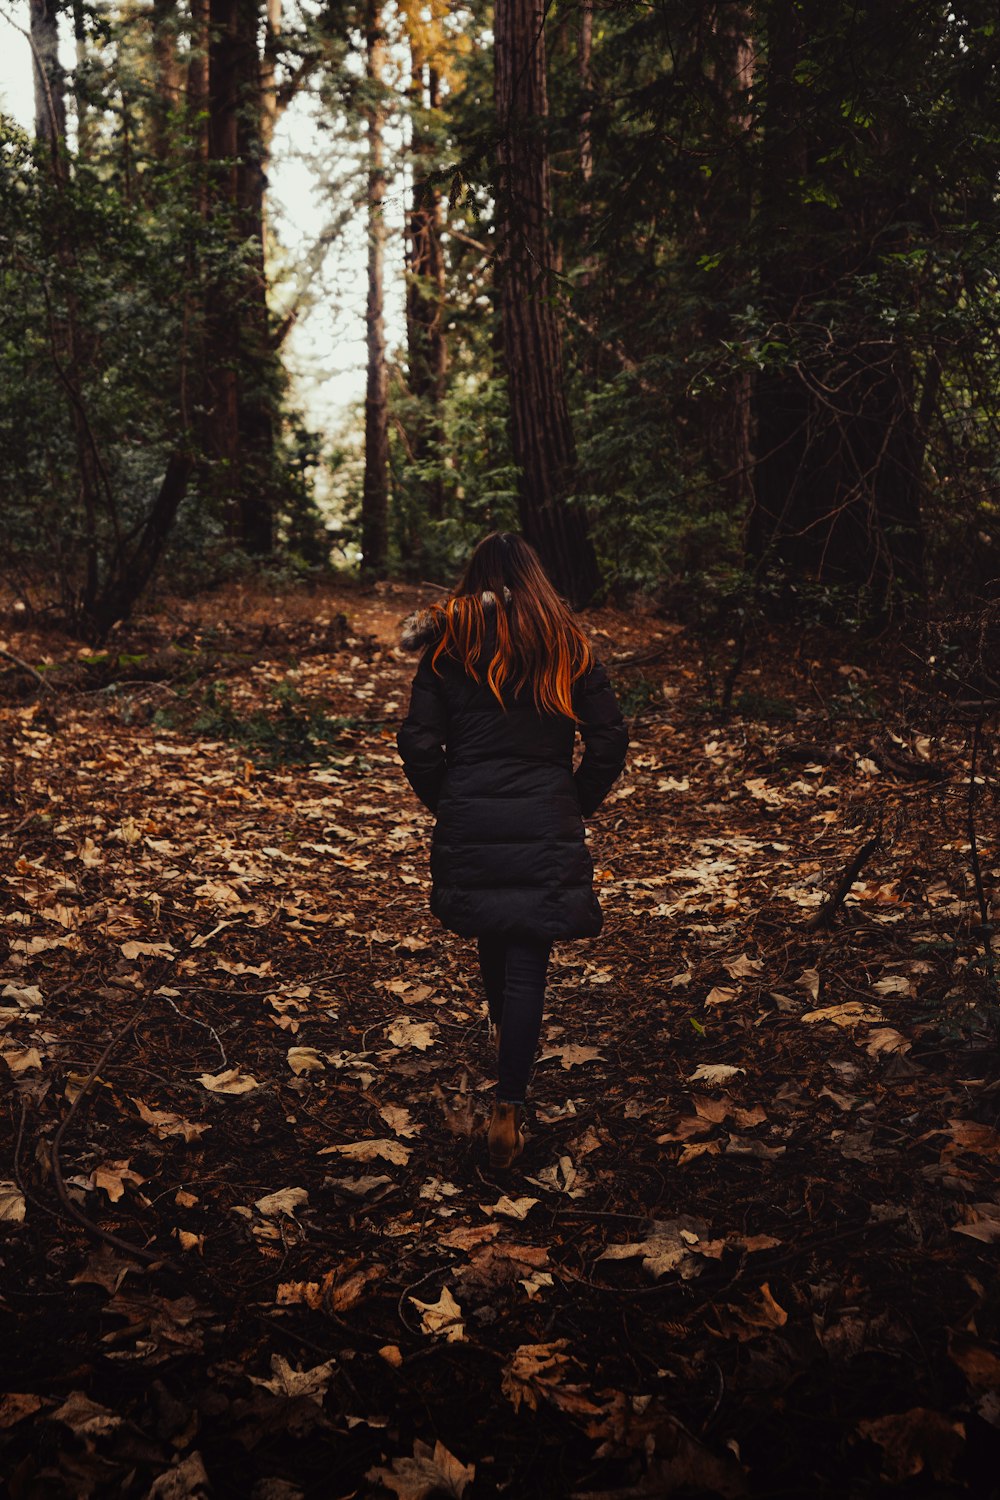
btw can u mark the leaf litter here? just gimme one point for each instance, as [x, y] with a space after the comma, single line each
[704, 1216]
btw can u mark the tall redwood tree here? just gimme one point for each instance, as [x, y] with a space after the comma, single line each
[541, 433]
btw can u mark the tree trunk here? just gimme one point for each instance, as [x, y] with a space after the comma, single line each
[240, 423]
[836, 475]
[425, 291]
[166, 98]
[375, 498]
[50, 99]
[541, 435]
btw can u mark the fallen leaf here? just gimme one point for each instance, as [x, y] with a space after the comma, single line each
[284, 1202]
[399, 1121]
[383, 1150]
[809, 980]
[912, 1441]
[429, 1472]
[465, 1237]
[112, 1177]
[22, 1059]
[232, 1081]
[357, 1187]
[292, 1383]
[443, 1316]
[188, 1480]
[885, 1040]
[12, 1205]
[536, 1372]
[721, 994]
[740, 968]
[670, 1246]
[407, 1033]
[84, 1417]
[573, 1055]
[713, 1073]
[148, 950]
[510, 1208]
[979, 1365]
[848, 1014]
[305, 1060]
[17, 1405]
[163, 1124]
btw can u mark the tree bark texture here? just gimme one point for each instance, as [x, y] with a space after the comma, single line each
[375, 496]
[541, 434]
[425, 291]
[240, 418]
[167, 93]
[50, 98]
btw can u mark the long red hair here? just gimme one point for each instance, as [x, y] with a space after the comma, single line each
[538, 642]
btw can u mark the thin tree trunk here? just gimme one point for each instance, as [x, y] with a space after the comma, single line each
[541, 434]
[425, 291]
[375, 498]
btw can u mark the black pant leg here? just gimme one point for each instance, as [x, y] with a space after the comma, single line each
[492, 967]
[524, 995]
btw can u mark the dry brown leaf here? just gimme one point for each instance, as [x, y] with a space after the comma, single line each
[284, 1202]
[133, 949]
[912, 1441]
[851, 1013]
[112, 1178]
[573, 1055]
[407, 1033]
[12, 1205]
[399, 1121]
[17, 1405]
[429, 1472]
[305, 1060]
[287, 1381]
[714, 1073]
[536, 1372]
[443, 1316]
[979, 1365]
[668, 1247]
[465, 1237]
[85, 1418]
[510, 1208]
[231, 1081]
[163, 1124]
[381, 1150]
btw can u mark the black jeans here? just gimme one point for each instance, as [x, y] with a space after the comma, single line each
[513, 971]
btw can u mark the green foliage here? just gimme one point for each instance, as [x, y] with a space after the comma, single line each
[297, 732]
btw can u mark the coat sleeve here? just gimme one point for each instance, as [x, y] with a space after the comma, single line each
[605, 738]
[423, 733]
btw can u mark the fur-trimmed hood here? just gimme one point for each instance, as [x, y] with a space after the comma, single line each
[421, 627]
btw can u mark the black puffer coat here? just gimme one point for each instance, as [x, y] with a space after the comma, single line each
[508, 854]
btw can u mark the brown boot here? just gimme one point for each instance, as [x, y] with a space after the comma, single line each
[506, 1138]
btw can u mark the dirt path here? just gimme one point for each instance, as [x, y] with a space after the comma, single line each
[751, 1247]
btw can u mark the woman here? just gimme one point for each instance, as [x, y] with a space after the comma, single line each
[505, 679]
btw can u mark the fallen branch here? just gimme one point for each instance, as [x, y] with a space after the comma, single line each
[25, 667]
[824, 916]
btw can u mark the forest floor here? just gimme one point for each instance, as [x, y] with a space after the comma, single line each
[751, 1247]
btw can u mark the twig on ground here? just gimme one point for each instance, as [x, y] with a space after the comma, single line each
[824, 916]
[25, 667]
